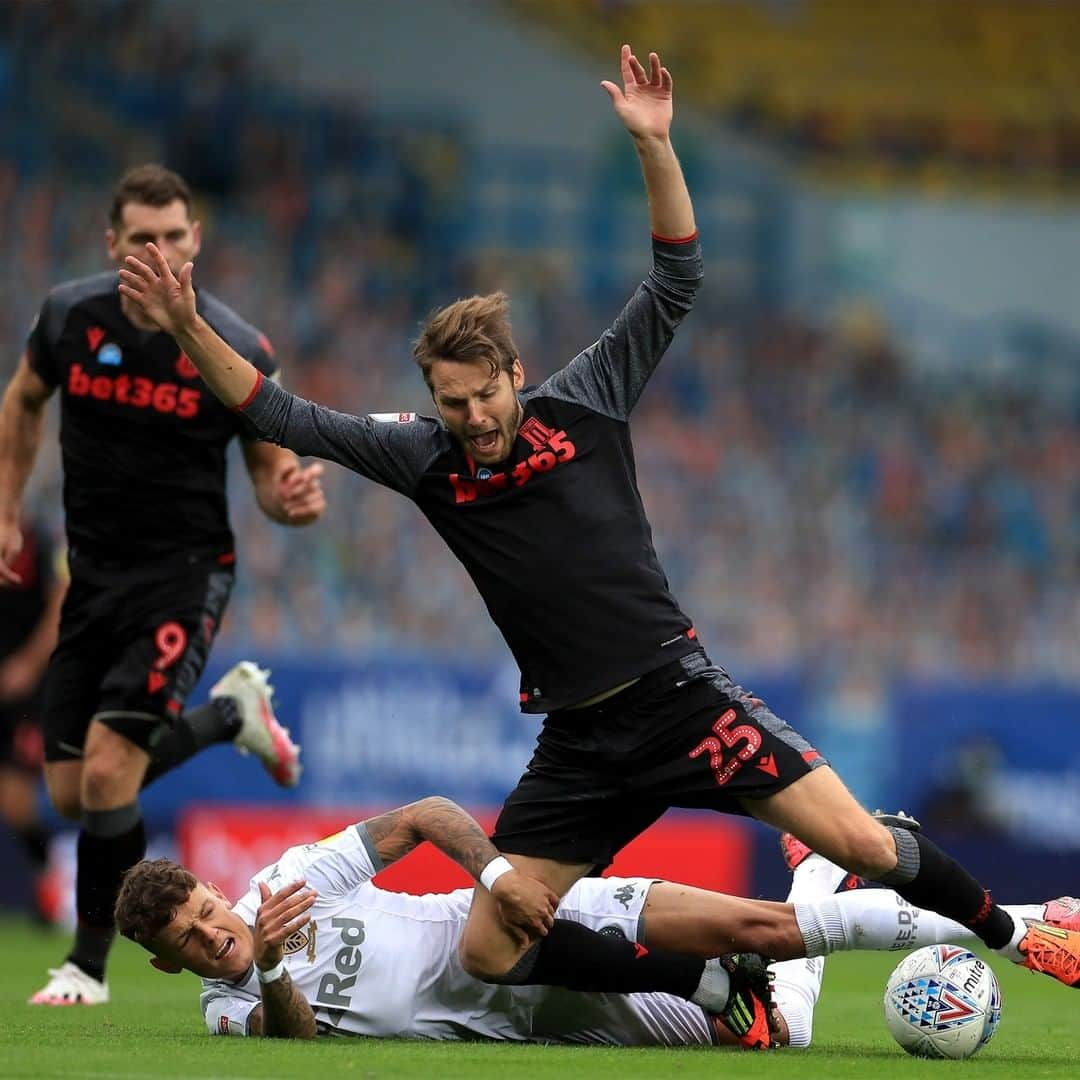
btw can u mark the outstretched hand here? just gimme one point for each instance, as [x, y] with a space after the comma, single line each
[644, 104]
[164, 298]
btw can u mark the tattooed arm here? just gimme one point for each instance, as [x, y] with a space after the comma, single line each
[284, 1012]
[453, 831]
[524, 902]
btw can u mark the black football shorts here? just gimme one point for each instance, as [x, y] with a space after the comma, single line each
[683, 735]
[132, 646]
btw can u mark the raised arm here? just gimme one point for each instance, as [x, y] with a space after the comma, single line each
[170, 302]
[22, 420]
[644, 105]
[526, 905]
[392, 452]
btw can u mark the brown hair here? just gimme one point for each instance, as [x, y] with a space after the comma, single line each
[151, 893]
[477, 328]
[151, 185]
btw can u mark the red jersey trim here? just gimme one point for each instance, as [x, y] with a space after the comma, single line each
[251, 396]
[676, 239]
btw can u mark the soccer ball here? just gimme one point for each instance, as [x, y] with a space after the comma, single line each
[942, 1001]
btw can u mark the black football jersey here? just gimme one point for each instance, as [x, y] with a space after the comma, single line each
[555, 538]
[142, 437]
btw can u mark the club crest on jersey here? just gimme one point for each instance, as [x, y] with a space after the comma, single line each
[297, 941]
[110, 354]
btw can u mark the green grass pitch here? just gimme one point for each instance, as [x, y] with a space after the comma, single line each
[153, 1029]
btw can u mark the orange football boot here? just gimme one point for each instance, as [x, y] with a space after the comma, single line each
[1053, 951]
[746, 1015]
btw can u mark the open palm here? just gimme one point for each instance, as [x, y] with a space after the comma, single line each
[644, 102]
[166, 299]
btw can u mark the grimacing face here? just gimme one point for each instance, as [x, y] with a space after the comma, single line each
[205, 937]
[480, 410]
[170, 227]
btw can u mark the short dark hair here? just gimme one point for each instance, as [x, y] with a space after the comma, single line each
[151, 185]
[150, 895]
[477, 328]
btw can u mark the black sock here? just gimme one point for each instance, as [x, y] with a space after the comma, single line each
[34, 840]
[195, 730]
[928, 878]
[578, 958]
[111, 841]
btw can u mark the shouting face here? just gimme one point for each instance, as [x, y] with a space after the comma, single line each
[480, 408]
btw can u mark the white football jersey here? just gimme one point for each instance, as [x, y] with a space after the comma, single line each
[386, 964]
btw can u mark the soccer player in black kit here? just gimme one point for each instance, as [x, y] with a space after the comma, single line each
[533, 489]
[151, 554]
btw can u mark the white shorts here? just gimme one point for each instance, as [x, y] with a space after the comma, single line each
[613, 906]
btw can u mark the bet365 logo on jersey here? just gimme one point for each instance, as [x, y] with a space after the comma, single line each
[135, 391]
[550, 448]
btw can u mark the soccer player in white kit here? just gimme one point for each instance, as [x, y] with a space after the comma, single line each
[314, 948]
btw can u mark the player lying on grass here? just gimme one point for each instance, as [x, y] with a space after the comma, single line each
[315, 948]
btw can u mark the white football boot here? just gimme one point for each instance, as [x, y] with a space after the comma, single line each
[70, 985]
[260, 733]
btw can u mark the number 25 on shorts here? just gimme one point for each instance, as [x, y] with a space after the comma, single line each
[725, 738]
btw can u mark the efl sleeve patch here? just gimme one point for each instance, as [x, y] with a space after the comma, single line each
[392, 417]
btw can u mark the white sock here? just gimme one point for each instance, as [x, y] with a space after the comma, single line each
[814, 877]
[1011, 951]
[880, 919]
[796, 988]
[797, 983]
[714, 989]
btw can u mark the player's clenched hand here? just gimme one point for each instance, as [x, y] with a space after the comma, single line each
[644, 102]
[299, 493]
[165, 298]
[526, 905]
[280, 914]
[11, 542]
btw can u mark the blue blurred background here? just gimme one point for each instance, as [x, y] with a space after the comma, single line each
[861, 457]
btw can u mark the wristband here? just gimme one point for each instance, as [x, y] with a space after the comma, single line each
[273, 974]
[495, 870]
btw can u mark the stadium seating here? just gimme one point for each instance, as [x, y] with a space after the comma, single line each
[965, 93]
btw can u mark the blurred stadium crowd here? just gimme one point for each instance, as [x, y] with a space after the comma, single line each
[939, 94]
[817, 497]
